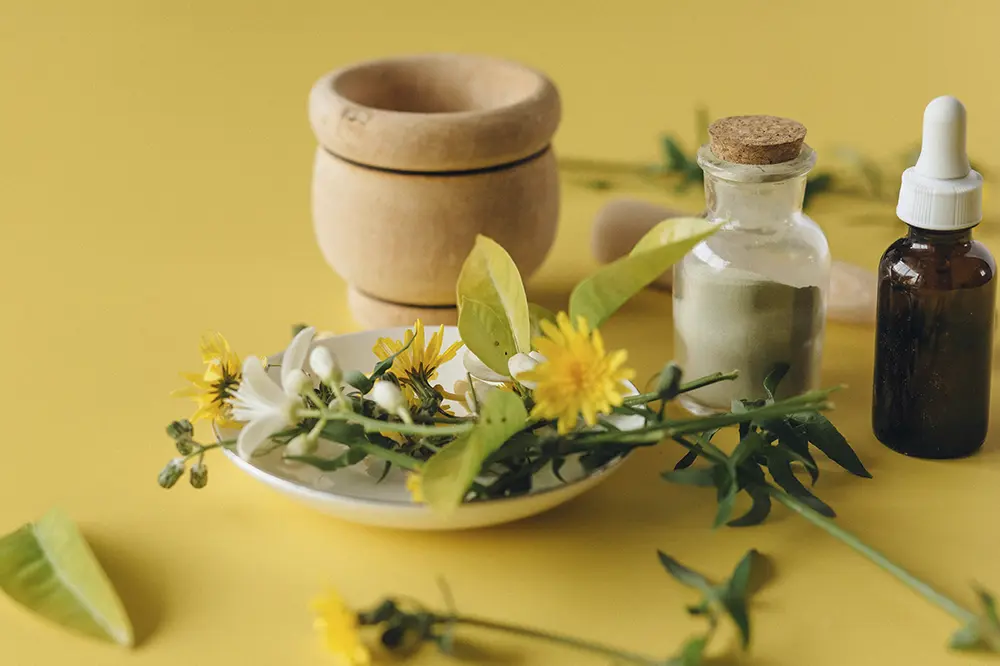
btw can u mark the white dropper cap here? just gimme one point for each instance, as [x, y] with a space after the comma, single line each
[942, 192]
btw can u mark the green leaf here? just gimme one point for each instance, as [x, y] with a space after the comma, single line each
[48, 568]
[703, 477]
[691, 653]
[774, 378]
[686, 461]
[359, 381]
[966, 638]
[493, 317]
[734, 597]
[685, 575]
[449, 473]
[792, 438]
[779, 464]
[989, 605]
[599, 296]
[727, 500]
[759, 510]
[383, 366]
[825, 437]
[345, 459]
[675, 160]
[536, 315]
[344, 432]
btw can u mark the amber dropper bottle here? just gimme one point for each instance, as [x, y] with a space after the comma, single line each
[936, 300]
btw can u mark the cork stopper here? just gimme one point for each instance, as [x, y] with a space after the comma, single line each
[756, 139]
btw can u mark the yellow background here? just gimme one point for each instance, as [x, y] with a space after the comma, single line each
[154, 183]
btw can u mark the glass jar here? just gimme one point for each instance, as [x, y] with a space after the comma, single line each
[753, 295]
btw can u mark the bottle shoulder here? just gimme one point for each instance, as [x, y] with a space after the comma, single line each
[918, 263]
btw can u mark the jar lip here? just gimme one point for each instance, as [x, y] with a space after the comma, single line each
[756, 173]
[435, 113]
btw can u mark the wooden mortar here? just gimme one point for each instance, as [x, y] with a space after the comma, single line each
[417, 155]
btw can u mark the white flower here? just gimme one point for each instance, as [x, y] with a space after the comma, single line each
[325, 365]
[519, 363]
[265, 406]
[480, 370]
[388, 396]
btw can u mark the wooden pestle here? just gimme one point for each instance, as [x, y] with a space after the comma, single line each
[620, 224]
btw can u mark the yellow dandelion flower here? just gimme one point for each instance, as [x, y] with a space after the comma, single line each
[338, 625]
[418, 362]
[415, 484]
[578, 377]
[212, 388]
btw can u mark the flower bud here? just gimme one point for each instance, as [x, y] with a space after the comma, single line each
[297, 382]
[172, 473]
[184, 447]
[301, 445]
[325, 365]
[179, 430]
[669, 381]
[199, 475]
[388, 396]
[521, 363]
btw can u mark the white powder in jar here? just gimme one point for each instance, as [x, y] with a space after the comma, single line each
[739, 320]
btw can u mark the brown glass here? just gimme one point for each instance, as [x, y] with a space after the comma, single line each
[934, 344]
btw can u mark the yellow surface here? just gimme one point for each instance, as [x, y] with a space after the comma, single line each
[154, 177]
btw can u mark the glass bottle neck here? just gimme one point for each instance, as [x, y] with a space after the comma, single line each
[754, 205]
[929, 237]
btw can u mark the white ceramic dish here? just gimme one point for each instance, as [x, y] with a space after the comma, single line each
[355, 493]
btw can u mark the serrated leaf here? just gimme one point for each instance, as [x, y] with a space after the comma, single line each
[685, 575]
[825, 437]
[536, 315]
[493, 318]
[447, 475]
[48, 568]
[599, 296]
[703, 477]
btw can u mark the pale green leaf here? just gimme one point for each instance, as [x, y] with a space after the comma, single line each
[599, 296]
[449, 473]
[490, 279]
[48, 568]
[537, 314]
[486, 333]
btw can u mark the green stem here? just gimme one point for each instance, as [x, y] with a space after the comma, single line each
[830, 527]
[807, 402]
[394, 457]
[201, 448]
[693, 385]
[559, 639]
[374, 425]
